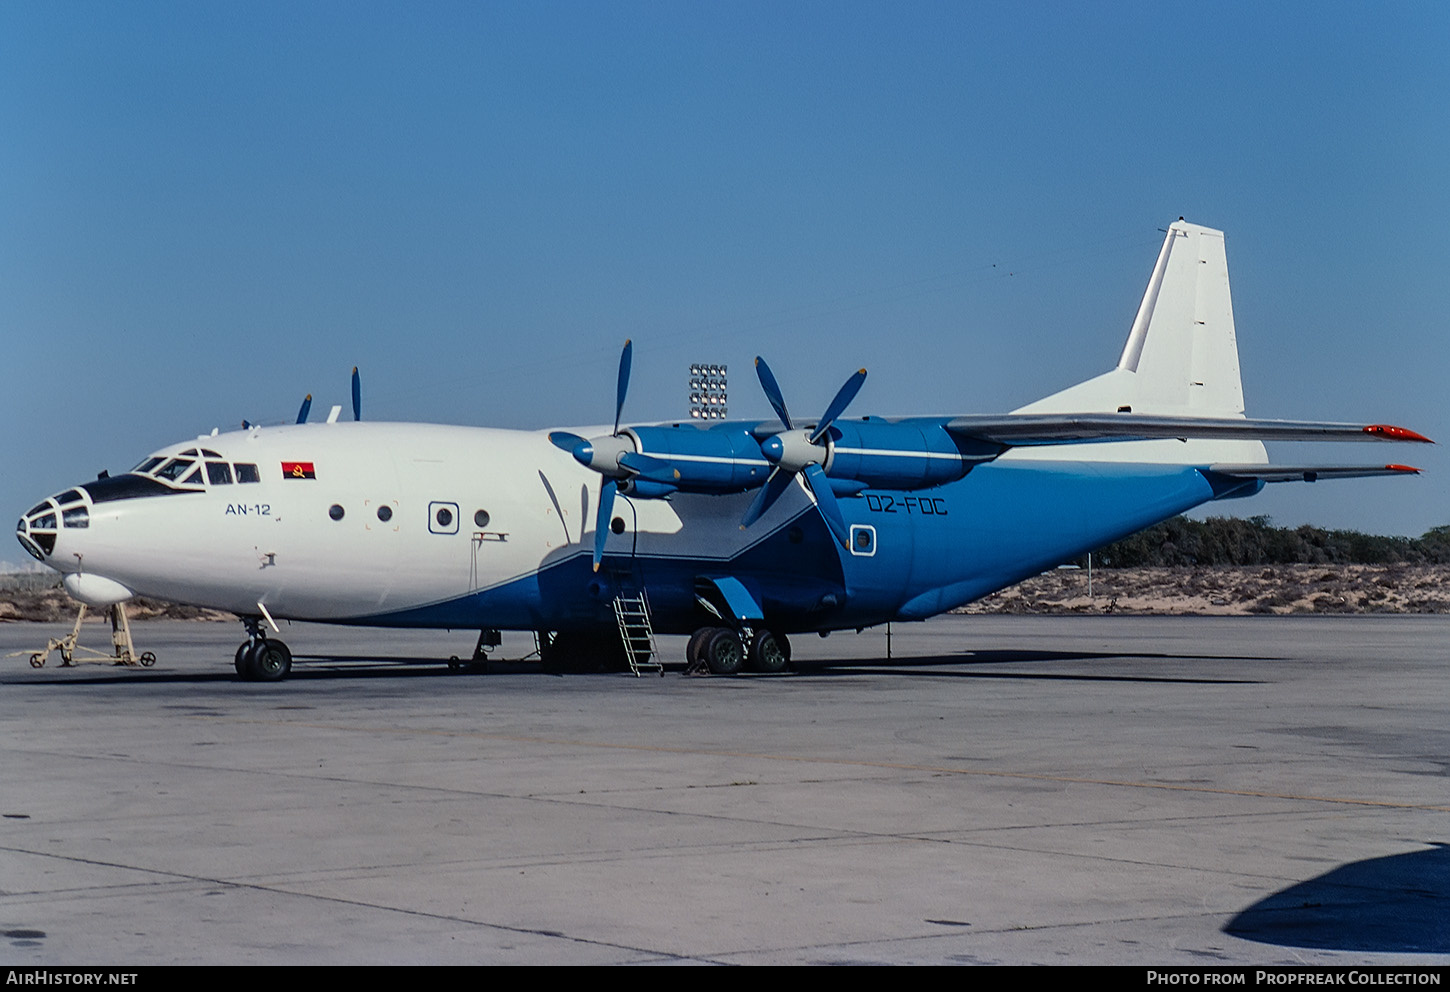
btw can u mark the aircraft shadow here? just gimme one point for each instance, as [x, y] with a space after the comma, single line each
[904, 666]
[1396, 904]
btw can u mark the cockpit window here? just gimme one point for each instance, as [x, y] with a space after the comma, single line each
[208, 453]
[38, 508]
[76, 516]
[219, 473]
[189, 452]
[194, 479]
[69, 496]
[148, 464]
[172, 470]
[247, 473]
[45, 522]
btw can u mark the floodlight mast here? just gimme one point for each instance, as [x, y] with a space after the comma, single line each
[707, 391]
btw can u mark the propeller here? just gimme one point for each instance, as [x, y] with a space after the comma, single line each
[306, 407]
[802, 452]
[613, 457]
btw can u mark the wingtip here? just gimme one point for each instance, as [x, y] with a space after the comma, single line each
[1392, 433]
[1408, 469]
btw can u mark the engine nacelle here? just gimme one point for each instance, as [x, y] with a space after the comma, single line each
[723, 458]
[904, 454]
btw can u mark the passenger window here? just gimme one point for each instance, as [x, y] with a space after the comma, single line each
[172, 470]
[219, 473]
[247, 473]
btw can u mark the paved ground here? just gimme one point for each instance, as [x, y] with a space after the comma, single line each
[1009, 789]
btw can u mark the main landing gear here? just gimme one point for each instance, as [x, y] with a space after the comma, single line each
[260, 659]
[726, 651]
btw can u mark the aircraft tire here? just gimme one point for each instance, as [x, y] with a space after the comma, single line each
[695, 650]
[241, 662]
[269, 661]
[724, 652]
[769, 652]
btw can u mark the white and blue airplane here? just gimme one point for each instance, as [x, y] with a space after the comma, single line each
[740, 533]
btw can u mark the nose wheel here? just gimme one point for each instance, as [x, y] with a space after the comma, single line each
[261, 659]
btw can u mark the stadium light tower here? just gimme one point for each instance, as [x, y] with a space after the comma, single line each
[707, 391]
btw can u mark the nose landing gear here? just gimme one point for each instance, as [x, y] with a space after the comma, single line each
[260, 659]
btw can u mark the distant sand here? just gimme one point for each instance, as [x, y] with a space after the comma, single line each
[1255, 589]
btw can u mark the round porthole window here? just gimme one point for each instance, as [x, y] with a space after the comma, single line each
[617, 525]
[480, 519]
[335, 511]
[444, 516]
[385, 513]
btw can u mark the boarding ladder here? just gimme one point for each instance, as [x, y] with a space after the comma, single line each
[631, 609]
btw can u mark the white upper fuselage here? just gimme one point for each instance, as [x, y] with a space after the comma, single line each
[466, 508]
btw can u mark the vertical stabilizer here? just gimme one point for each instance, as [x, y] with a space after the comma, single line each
[1182, 348]
[1182, 354]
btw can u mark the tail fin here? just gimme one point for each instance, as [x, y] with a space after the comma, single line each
[1182, 355]
[1182, 348]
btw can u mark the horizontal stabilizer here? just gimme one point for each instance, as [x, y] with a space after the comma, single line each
[1309, 473]
[1067, 428]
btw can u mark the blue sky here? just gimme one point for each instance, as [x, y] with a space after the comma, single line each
[208, 210]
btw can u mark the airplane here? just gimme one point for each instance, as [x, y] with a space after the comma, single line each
[737, 533]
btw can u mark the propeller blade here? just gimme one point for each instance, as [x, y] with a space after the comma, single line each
[625, 358]
[356, 395]
[826, 503]
[776, 484]
[602, 521]
[565, 441]
[651, 468]
[844, 396]
[305, 409]
[772, 391]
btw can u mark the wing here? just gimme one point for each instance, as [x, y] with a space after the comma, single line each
[1309, 473]
[1016, 430]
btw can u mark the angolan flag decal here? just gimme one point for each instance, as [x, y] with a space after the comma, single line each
[298, 470]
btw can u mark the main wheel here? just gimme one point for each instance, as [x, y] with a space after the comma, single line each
[769, 652]
[694, 651]
[241, 662]
[723, 652]
[269, 661]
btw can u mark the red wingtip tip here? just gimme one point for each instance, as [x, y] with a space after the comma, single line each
[1402, 468]
[1392, 433]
